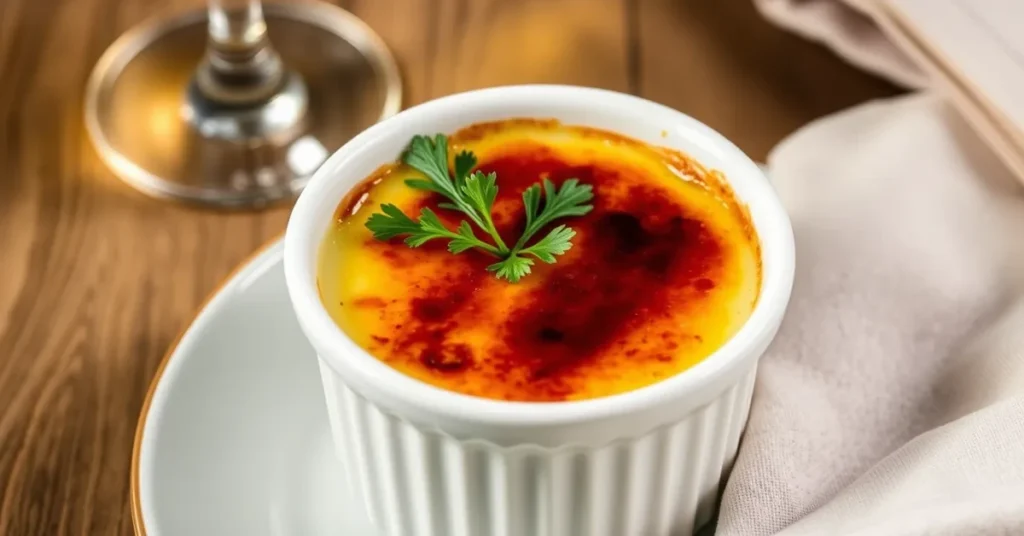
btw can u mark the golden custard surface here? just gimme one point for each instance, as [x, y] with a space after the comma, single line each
[661, 273]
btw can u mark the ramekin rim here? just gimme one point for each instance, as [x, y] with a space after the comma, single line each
[361, 369]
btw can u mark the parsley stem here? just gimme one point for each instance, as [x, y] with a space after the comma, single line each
[476, 242]
[522, 240]
[527, 234]
[493, 231]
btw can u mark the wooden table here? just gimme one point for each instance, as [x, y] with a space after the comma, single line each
[96, 280]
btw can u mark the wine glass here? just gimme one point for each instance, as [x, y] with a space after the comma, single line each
[237, 105]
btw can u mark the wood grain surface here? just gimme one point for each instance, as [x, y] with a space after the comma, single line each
[96, 280]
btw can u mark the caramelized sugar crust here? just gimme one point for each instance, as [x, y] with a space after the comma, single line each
[662, 272]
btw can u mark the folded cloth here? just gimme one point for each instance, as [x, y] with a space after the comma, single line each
[892, 400]
[971, 51]
[974, 53]
[847, 27]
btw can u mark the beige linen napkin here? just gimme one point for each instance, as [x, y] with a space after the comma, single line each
[973, 51]
[892, 401]
[846, 26]
[970, 50]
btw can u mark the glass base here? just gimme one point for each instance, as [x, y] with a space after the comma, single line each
[139, 118]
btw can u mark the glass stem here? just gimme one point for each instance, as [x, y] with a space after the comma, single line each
[236, 24]
[240, 66]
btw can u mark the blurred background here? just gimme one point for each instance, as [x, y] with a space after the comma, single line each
[97, 279]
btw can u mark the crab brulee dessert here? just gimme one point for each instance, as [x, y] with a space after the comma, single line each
[526, 260]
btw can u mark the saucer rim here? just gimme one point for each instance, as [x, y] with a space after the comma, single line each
[135, 484]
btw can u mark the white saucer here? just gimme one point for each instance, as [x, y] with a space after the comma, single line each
[233, 438]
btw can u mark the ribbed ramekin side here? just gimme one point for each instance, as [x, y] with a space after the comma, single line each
[422, 482]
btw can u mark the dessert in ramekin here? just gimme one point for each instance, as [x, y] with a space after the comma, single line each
[460, 405]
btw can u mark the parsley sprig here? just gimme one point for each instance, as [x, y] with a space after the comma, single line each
[473, 193]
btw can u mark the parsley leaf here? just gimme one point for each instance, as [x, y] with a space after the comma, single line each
[569, 201]
[557, 242]
[393, 222]
[513, 268]
[430, 157]
[473, 193]
[464, 163]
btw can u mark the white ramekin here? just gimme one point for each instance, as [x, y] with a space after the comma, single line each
[431, 462]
